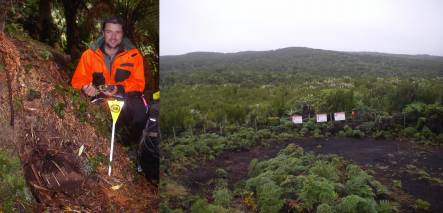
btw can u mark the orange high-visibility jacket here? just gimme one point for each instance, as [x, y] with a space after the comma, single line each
[126, 67]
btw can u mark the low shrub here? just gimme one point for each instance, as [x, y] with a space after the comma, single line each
[222, 197]
[409, 132]
[317, 190]
[357, 204]
[269, 198]
[422, 205]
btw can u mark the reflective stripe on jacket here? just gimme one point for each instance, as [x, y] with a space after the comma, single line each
[126, 68]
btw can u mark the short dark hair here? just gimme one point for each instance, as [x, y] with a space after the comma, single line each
[113, 20]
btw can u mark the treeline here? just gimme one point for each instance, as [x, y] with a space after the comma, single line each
[298, 60]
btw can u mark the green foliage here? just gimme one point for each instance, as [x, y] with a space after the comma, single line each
[439, 138]
[358, 185]
[165, 209]
[367, 127]
[222, 197]
[264, 134]
[45, 54]
[414, 110]
[284, 136]
[336, 100]
[357, 133]
[324, 208]
[317, 133]
[13, 190]
[304, 131]
[269, 198]
[349, 132]
[356, 204]
[33, 94]
[269, 66]
[385, 206]
[420, 123]
[15, 30]
[59, 109]
[317, 190]
[221, 173]
[253, 105]
[202, 206]
[409, 132]
[273, 121]
[90, 164]
[310, 124]
[422, 205]
[204, 146]
[381, 134]
[324, 169]
[242, 138]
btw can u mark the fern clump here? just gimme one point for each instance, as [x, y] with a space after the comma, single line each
[324, 208]
[311, 182]
[202, 206]
[324, 169]
[269, 198]
[358, 185]
[357, 204]
[384, 206]
[222, 197]
[317, 190]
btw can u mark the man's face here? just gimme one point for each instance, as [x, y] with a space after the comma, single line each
[113, 34]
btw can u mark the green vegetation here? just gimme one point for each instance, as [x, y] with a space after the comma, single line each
[90, 164]
[14, 195]
[206, 107]
[215, 102]
[325, 183]
[289, 64]
[422, 205]
[387, 93]
[72, 100]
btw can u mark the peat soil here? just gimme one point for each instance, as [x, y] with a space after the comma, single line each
[418, 167]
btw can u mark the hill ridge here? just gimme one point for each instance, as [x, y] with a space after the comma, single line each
[307, 60]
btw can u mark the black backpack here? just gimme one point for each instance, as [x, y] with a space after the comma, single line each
[148, 153]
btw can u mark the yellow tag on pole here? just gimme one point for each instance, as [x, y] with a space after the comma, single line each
[116, 107]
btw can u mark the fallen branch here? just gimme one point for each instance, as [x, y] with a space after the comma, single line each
[55, 179]
[39, 187]
[58, 167]
[36, 174]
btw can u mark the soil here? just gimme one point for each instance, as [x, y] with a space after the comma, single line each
[414, 165]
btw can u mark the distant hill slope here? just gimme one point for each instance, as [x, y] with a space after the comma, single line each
[307, 60]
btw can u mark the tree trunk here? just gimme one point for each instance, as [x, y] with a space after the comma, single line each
[70, 8]
[45, 23]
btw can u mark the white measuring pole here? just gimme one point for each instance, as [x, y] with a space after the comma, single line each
[115, 106]
[112, 148]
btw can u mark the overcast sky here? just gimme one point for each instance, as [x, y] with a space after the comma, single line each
[391, 26]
